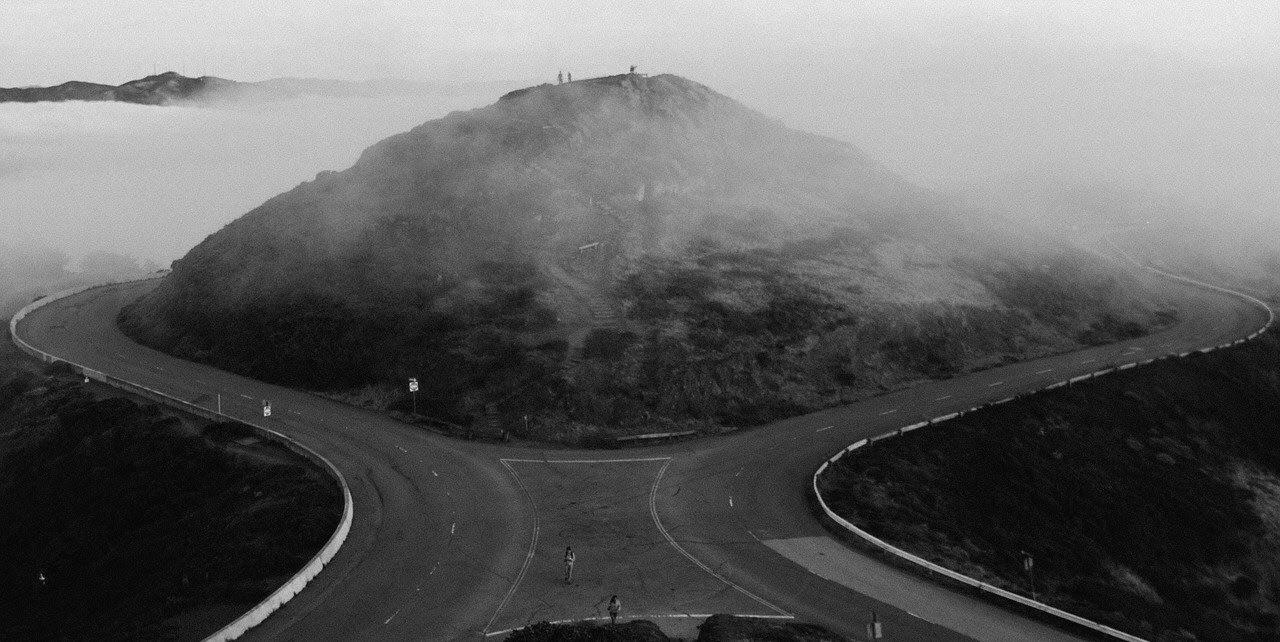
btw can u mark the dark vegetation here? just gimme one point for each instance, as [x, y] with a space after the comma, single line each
[141, 527]
[717, 628]
[618, 256]
[1148, 498]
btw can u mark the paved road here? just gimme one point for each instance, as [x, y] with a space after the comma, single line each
[459, 540]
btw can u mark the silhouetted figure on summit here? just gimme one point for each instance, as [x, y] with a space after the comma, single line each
[559, 77]
[570, 75]
[633, 69]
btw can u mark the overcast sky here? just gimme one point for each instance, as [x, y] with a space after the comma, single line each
[1182, 95]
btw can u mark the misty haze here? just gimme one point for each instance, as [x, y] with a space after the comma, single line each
[667, 322]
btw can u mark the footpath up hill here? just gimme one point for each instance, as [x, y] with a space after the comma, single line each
[621, 254]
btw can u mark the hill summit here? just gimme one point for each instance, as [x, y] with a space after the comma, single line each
[645, 225]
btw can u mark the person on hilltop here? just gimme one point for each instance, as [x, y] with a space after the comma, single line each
[559, 77]
[569, 559]
[615, 607]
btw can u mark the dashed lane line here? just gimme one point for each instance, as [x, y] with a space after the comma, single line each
[818, 430]
[888, 412]
[942, 397]
[998, 383]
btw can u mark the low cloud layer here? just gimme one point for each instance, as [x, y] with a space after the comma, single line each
[151, 182]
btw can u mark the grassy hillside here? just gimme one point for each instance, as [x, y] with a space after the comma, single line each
[621, 254]
[120, 521]
[1150, 498]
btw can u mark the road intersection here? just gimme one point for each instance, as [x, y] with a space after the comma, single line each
[462, 540]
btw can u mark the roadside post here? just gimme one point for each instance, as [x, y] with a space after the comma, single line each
[266, 408]
[1028, 565]
[874, 631]
[413, 389]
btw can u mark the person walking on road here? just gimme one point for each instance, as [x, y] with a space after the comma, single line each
[615, 607]
[569, 558]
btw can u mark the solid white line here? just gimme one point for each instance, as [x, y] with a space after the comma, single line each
[818, 430]
[528, 558]
[888, 412]
[582, 461]
[653, 511]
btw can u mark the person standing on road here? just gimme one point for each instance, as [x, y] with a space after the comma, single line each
[615, 607]
[569, 558]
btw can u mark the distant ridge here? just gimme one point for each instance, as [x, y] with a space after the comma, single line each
[171, 87]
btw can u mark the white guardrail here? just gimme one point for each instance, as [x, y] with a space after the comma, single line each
[983, 586]
[277, 599]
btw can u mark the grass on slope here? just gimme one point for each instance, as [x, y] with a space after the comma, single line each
[1150, 498]
[141, 527]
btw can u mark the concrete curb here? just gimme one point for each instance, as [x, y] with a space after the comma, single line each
[982, 586]
[277, 599]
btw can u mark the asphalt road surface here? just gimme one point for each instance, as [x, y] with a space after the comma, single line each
[463, 540]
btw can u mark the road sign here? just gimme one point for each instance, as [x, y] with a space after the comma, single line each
[266, 408]
[413, 384]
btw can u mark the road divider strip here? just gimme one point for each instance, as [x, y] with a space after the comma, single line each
[978, 584]
[280, 596]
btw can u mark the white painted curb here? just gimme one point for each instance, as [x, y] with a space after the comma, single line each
[982, 586]
[277, 599]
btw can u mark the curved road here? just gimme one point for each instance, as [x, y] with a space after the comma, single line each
[461, 540]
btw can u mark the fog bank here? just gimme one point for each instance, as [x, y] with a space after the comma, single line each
[151, 182]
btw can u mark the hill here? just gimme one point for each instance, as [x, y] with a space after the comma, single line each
[173, 88]
[621, 252]
[1149, 498]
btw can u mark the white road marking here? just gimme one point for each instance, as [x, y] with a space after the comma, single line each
[731, 502]
[245, 396]
[453, 528]
[818, 430]
[998, 383]
[1044, 371]
[653, 512]
[401, 449]
[1087, 360]
[943, 397]
[435, 474]
[740, 469]
[393, 615]
[888, 412]
[528, 558]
